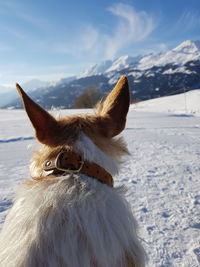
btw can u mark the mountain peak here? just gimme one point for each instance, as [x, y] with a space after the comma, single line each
[96, 69]
[188, 47]
[107, 66]
[123, 62]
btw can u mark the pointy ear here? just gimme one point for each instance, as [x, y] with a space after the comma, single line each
[115, 108]
[45, 125]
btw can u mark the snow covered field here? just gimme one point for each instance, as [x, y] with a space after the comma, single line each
[162, 174]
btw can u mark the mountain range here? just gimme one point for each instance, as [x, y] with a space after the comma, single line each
[8, 94]
[150, 76]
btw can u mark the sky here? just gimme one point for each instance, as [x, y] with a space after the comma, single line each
[49, 40]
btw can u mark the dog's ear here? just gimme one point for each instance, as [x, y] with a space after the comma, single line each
[45, 125]
[114, 109]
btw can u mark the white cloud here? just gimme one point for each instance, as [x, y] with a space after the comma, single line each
[130, 27]
[87, 44]
[84, 42]
[188, 20]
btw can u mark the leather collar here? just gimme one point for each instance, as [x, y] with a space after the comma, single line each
[71, 162]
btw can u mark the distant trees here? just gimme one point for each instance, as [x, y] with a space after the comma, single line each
[135, 101]
[88, 98]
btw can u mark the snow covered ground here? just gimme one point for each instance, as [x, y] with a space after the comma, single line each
[162, 174]
[186, 104]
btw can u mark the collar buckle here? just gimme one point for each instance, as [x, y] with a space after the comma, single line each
[58, 164]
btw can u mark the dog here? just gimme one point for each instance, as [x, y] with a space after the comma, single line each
[69, 214]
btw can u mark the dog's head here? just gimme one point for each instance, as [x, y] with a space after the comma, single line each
[100, 129]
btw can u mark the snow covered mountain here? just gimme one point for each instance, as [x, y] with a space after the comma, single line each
[96, 69]
[35, 84]
[110, 65]
[186, 51]
[8, 94]
[150, 76]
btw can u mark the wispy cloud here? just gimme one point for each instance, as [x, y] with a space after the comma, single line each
[153, 47]
[131, 26]
[85, 41]
[188, 21]
[88, 44]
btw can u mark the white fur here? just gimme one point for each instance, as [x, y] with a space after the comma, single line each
[69, 222]
[89, 152]
[92, 153]
[36, 171]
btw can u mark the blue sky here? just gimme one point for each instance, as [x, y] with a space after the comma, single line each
[48, 39]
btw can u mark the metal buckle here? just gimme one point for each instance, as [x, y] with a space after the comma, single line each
[57, 164]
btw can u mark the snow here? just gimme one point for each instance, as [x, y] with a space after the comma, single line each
[96, 69]
[181, 69]
[107, 66]
[183, 53]
[185, 104]
[186, 51]
[150, 74]
[123, 62]
[188, 47]
[162, 173]
[174, 56]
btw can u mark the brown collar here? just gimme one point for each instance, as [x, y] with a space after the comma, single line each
[71, 162]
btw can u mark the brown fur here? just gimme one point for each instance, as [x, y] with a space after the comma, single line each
[107, 122]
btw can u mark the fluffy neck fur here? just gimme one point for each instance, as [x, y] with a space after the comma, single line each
[89, 151]
[92, 153]
[71, 220]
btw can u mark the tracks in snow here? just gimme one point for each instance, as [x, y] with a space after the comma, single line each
[16, 139]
